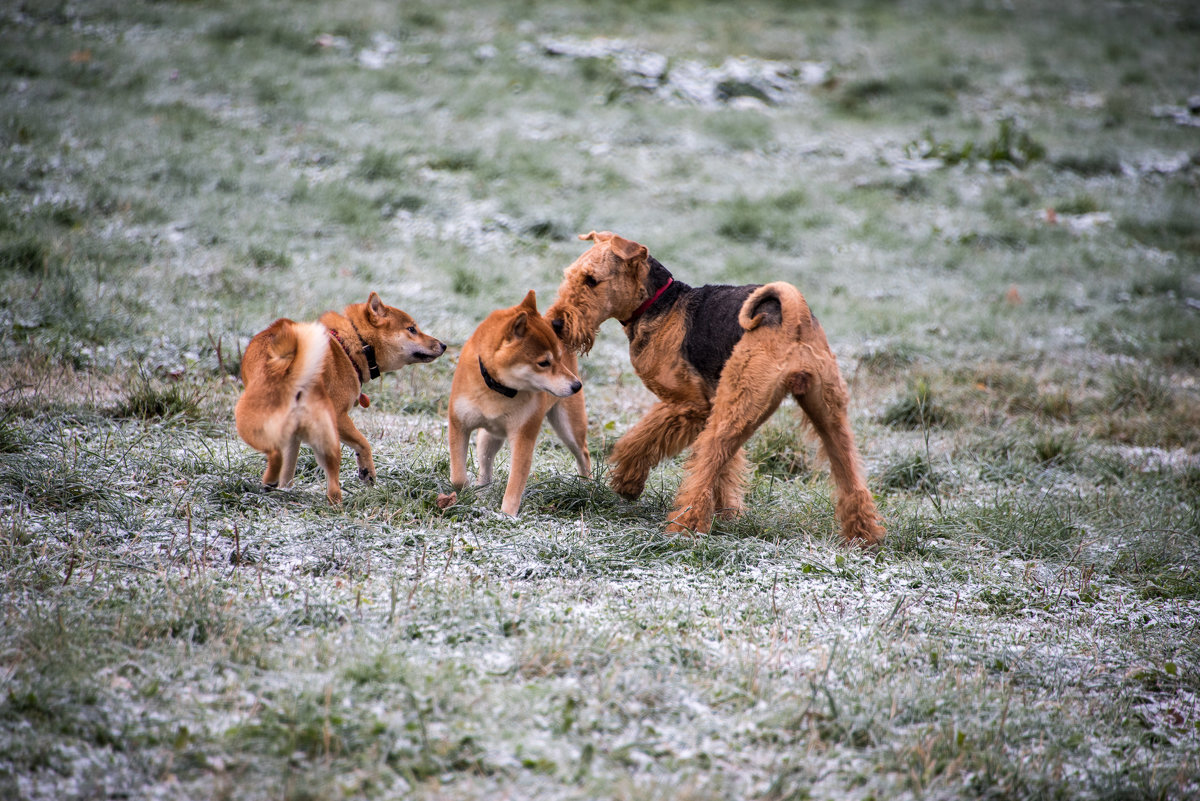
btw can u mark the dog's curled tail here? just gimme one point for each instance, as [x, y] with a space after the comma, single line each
[295, 355]
[280, 363]
[777, 303]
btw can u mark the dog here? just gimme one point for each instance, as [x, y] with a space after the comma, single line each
[720, 359]
[512, 373]
[302, 380]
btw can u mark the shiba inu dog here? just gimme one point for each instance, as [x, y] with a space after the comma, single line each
[302, 380]
[512, 374]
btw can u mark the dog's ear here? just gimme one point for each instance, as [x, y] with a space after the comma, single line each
[530, 302]
[519, 326]
[596, 236]
[375, 309]
[627, 250]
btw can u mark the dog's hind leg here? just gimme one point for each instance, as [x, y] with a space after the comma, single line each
[568, 418]
[665, 431]
[730, 491]
[288, 456]
[822, 395]
[349, 434]
[325, 443]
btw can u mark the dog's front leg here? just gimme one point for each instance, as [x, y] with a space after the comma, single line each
[522, 441]
[487, 445]
[568, 418]
[349, 434]
[665, 431]
[460, 440]
[274, 467]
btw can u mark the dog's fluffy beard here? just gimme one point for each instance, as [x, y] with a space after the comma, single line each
[577, 332]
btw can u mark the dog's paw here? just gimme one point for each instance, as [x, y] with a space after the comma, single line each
[688, 521]
[367, 474]
[678, 529]
[334, 496]
[628, 488]
[445, 501]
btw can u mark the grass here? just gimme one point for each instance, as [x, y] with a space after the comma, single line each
[175, 176]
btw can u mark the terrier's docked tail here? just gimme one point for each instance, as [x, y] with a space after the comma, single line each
[777, 303]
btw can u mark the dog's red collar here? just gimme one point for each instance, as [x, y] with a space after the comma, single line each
[357, 370]
[650, 301]
[368, 354]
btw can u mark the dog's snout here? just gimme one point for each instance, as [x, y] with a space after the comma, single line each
[441, 347]
[576, 386]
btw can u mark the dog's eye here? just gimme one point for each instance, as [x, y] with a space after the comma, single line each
[544, 363]
[412, 329]
[589, 281]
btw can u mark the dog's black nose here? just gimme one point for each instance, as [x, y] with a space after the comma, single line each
[557, 325]
[576, 386]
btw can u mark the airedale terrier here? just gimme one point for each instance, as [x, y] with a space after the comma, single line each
[720, 359]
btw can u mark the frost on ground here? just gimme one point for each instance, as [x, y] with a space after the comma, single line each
[990, 210]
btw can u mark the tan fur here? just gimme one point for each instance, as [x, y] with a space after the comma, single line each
[519, 350]
[777, 356]
[301, 385]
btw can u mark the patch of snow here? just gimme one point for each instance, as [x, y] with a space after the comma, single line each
[1152, 460]
[1160, 164]
[1187, 114]
[1078, 224]
[382, 52]
[738, 82]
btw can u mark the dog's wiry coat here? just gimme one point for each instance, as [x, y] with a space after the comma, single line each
[720, 359]
[302, 380]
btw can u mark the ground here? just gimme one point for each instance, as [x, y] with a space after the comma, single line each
[990, 206]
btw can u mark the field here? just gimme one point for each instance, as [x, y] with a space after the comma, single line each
[991, 206]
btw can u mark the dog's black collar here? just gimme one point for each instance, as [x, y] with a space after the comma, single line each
[493, 384]
[368, 352]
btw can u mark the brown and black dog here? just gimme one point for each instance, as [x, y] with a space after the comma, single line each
[302, 380]
[720, 359]
[512, 374]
